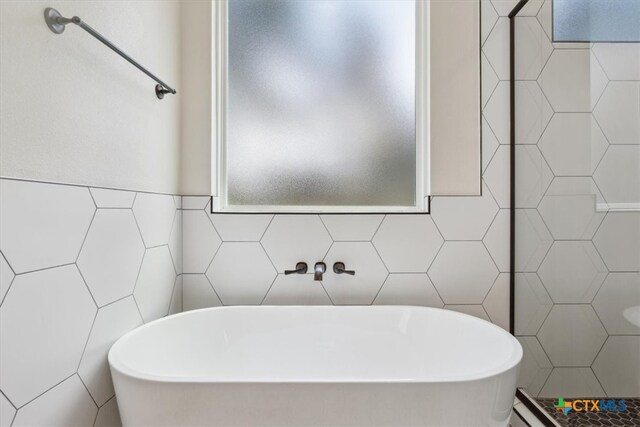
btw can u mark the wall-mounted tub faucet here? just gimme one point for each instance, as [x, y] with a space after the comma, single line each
[301, 268]
[318, 270]
[339, 268]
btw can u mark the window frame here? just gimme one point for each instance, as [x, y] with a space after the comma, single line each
[219, 200]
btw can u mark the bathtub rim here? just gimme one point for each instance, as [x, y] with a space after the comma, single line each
[116, 363]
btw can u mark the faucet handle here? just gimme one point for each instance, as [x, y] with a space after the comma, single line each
[339, 268]
[301, 268]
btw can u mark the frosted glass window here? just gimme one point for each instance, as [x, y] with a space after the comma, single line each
[596, 20]
[321, 103]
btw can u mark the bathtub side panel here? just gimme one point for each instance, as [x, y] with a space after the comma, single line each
[484, 402]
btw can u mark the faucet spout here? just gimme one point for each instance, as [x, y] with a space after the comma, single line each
[318, 270]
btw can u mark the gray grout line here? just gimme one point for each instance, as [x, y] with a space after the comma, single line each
[8, 178]
[8, 400]
[86, 342]
[46, 391]
[273, 281]
[89, 393]
[86, 234]
[135, 285]
[212, 287]
[45, 268]
[87, 285]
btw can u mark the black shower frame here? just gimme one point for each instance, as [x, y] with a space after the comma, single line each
[526, 400]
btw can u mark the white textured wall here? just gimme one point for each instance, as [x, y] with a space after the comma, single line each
[73, 111]
[196, 161]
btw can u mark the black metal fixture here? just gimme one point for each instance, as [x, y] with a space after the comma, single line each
[512, 162]
[318, 270]
[520, 394]
[57, 23]
[339, 268]
[301, 268]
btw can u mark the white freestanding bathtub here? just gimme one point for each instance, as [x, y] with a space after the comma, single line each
[316, 366]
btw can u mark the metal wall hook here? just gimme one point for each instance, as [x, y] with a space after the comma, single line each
[57, 24]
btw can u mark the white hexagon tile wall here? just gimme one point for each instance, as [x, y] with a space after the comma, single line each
[79, 268]
[577, 154]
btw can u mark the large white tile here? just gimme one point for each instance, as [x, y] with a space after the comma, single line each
[198, 293]
[464, 218]
[155, 283]
[475, 310]
[175, 306]
[618, 242]
[239, 227]
[572, 80]
[154, 213]
[463, 272]
[571, 382]
[617, 366]
[504, 7]
[618, 303]
[296, 289]
[569, 208]
[42, 225]
[407, 243]
[195, 202]
[618, 112]
[111, 323]
[6, 277]
[199, 241]
[533, 112]
[572, 335]
[535, 367]
[489, 80]
[532, 175]
[365, 284]
[294, 238]
[241, 273]
[618, 175]
[572, 272]
[68, 404]
[488, 18]
[175, 242]
[409, 289]
[532, 303]
[490, 144]
[533, 240]
[573, 144]
[352, 228]
[44, 324]
[497, 240]
[7, 411]
[620, 61]
[496, 303]
[108, 415]
[496, 176]
[111, 256]
[106, 198]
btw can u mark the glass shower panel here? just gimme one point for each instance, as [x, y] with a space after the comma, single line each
[577, 302]
[596, 20]
[325, 90]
